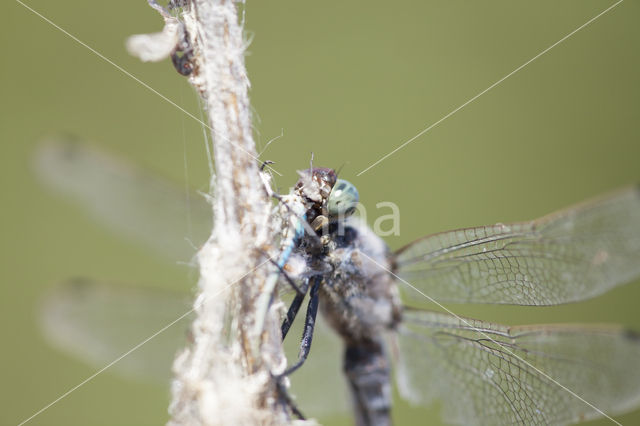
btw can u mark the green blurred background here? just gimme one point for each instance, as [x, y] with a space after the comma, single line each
[349, 81]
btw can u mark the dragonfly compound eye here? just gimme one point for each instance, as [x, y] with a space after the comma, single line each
[343, 200]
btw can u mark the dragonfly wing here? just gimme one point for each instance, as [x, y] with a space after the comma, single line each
[568, 256]
[133, 203]
[492, 374]
[98, 323]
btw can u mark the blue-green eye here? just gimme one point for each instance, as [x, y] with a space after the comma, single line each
[343, 199]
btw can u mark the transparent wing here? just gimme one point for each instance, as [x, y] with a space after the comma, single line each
[137, 205]
[571, 255]
[488, 374]
[97, 323]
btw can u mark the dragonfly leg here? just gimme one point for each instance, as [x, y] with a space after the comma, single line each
[265, 164]
[295, 305]
[309, 324]
[288, 278]
[307, 335]
[291, 314]
[282, 391]
[301, 292]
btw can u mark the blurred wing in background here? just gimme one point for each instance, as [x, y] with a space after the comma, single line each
[135, 204]
[567, 256]
[477, 370]
[97, 323]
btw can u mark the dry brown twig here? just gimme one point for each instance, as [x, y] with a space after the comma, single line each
[224, 377]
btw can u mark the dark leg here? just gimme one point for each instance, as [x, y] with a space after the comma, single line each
[291, 314]
[288, 278]
[295, 305]
[265, 164]
[297, 301]
[307, 335]
[288, 401]
[309, 324]
[286, 324]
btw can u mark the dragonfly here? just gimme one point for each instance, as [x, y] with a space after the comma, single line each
[481, 372]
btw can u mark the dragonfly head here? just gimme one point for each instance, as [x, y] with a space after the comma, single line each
[315, 184]
[331, 199]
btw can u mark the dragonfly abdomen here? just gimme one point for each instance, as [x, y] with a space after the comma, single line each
[367, 370]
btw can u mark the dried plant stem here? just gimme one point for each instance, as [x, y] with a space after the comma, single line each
[223, 378]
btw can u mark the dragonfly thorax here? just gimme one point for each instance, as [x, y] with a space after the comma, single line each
[357, 296]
